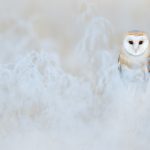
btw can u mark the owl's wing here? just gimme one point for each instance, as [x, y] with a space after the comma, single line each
[148, 64]
[119, 65]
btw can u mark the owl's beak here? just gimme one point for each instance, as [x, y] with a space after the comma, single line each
[136, 50]
[136, 47]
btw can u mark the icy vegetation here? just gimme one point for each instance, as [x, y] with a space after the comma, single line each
[61, 89]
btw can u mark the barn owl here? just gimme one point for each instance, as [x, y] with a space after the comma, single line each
[135, 53]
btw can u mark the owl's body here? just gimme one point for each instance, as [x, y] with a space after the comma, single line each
[135, 53]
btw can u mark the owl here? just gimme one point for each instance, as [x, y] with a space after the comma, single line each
[135, 53]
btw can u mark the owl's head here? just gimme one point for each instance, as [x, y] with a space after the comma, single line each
[136, 43]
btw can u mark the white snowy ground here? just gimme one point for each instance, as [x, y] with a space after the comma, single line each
[73, 101]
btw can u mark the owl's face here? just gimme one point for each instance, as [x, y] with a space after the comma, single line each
[136, 43]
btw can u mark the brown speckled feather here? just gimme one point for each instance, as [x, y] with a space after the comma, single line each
[125, 60]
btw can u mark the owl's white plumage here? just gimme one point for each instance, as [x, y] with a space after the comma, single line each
[136, 43]
[135, 52]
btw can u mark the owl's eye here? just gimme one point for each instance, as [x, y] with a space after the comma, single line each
[140, 42]
[131, 42]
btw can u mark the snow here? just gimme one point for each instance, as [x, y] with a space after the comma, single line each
[57, 95]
